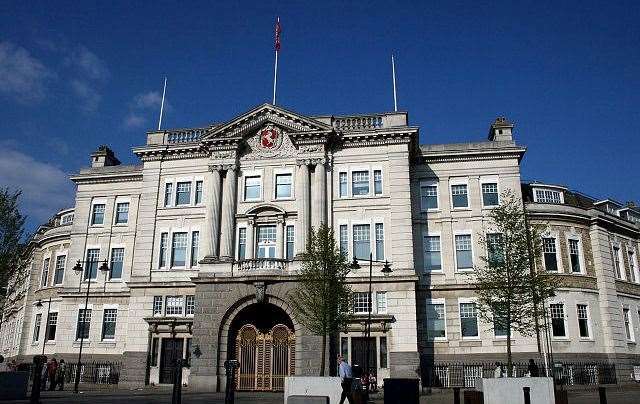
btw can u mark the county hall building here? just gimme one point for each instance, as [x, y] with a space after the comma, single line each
[202, 242]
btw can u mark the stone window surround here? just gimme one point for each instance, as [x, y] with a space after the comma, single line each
[459, 181]
[107, 307]
[372, 234]
[252, 173]
[634, 263]
[556, 236]
[77, 323]
[547, 188]
[567, 335]
[279, 171]
[620, 259]
[589, 321]
[44, 277]
[464, 232]
[468, 300]
[426, 183]
[489, 179]
[349, 169]
[192, 197]
[253, 237]
[97, 201]
[110, 252]
[121, 199]
[60, 253]
[578, 238]
[428, 233]
[627, 307]
[170, 230]
[443, 302]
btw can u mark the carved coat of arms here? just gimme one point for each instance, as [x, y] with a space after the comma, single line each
[270, 137]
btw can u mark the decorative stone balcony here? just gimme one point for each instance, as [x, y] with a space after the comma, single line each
[262, 265]
[354, 123]
[185, 135]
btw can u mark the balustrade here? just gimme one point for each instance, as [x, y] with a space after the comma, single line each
[184, 136]
[359, 122]
[263, 264]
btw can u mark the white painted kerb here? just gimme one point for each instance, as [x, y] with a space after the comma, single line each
[313, 386]
[509, 390]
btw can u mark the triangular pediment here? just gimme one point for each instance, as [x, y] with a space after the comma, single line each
[250, 122]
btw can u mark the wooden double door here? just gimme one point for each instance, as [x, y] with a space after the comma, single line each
[170, 352]
[359, 354]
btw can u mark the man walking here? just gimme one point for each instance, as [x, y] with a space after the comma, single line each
[346, 377]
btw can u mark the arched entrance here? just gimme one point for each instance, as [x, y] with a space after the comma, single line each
[262, 339]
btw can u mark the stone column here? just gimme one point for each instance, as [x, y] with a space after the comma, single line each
[280, 237]
[319, 210]
[228, 228]
[212, 215]
[302, 192]
[250, 248]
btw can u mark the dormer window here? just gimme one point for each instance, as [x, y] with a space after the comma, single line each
[548, 196]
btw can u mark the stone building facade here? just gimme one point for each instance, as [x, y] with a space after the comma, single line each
[202, 242]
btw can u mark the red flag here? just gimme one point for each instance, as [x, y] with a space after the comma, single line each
[278, 31]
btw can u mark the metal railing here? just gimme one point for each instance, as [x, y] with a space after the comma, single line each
[458, 374]
[263, 264]
[94, 373]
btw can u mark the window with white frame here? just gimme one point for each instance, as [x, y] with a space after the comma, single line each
[157, 305]
[179, 249]
[83, 324]
[164, 242]
[628, 326]
[556, 312]
[362, 241]
[459, 196]
[361, 302]
[97, 214]
[36, 327]
[550, 252]
[468, 320]
[122, 212]
[381, 302]
[490, 194]
[266, 242]
[428, 196]
[495, 249]
[360, 183]
[174, 305]
[617, 262]
[199, 186]
[190, 305]
[44, 280]
[67, 219]
[436, 320]
[633, 266]
[109, 319]
[52, 326]
[290, 233]
[464, 252]
[343, 185]
[168, 194]
[242, 243]
[183, 193]
[574, 255]
[377, 182]
[344, 239]
[547, 196]
[195, 244]
[91, 267]
[252, 188]
[58, 275]
[432, 253]
[583, 320]
[500, 326]
[379, 227]
[283, 186]
[117, 261]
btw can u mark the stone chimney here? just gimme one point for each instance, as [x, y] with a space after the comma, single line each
[501, 130]
[104, 157]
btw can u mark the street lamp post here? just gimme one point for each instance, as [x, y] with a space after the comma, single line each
[386, 270]
[78, 269]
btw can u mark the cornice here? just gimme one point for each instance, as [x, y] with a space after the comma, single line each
[476, 155]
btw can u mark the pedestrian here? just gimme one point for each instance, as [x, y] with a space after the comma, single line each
[43, 374]
[53, 377]
[62, 371]
[346, 378]
[497, 372]
[533, 369]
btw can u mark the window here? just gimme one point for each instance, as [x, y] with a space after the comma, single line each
[490, 194]
[109, 319]
[36, 327]
[122, 212]
[468, 320]
[436, 321]
[383, 353]
[45, 273]
[190, 305]
[574, 255]
[557, 320]
[360, 183]
[377, 182]
[547, 196]
[633, 263]
[183, 193]
[174, 305]
[432, 258]
[290, 242]
[428, 197]
[266, 241]
[344, 239]
[117, 260]
[252, 187]
[154, 352]
[342, 180]
[84, 323]
[179, 250]
[381, 302]
[97, 215]
[583, 320]
[617, 262]
[58, 275]
[199, 185]
[361, 241]
[549, 252]
[379, 241]
[195, 243]
[464, 254]
[361, 302]
[459, 197]
[164, 239]
[344, 348]
[157, 305]
[628, 328]
[242, 243]
[495, 249]
[283, 186]
[168, 194]
[500, 324]
[91, 267]
[67, 219]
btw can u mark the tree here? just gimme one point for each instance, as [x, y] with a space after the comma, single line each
[321, 299]
[509, 289]
[11, 235]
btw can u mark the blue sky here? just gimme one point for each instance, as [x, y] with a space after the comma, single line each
[74, 75]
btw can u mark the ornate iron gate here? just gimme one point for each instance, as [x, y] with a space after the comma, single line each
[265, 358]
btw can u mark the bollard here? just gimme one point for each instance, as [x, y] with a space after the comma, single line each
[230, 367]
[603, 395]
[37, 372]
[176, 396]
[456, 395]
[527, 395]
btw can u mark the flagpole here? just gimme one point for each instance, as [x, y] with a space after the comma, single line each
[275, 79]
[164, 89]
[393, 70]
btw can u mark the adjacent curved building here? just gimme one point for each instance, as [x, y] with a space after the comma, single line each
[202, 241]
